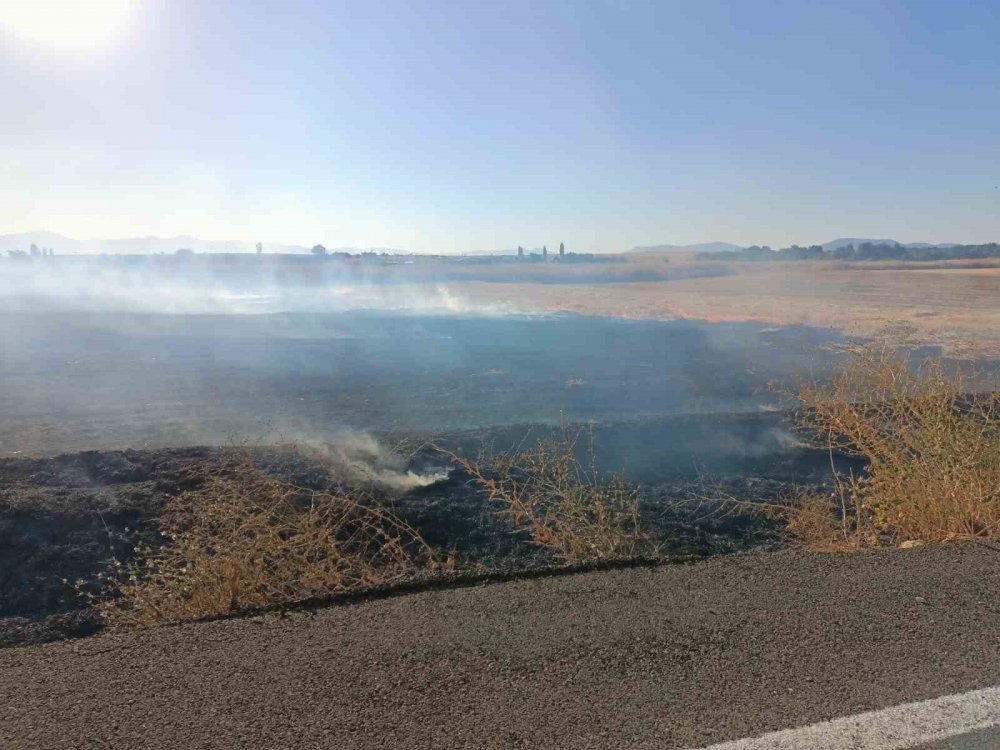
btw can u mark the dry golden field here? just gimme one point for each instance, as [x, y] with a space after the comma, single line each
[954, 304]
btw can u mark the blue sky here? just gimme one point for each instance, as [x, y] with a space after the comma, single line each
[472, 126]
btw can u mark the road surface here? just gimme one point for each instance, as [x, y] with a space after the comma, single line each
[681, 656]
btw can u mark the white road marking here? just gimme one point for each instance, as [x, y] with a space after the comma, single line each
[895, 728]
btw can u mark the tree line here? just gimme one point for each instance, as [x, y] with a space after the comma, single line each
[862, 251]
[35, 252]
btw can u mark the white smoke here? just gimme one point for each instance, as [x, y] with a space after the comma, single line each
[357, 457]
[153, 286]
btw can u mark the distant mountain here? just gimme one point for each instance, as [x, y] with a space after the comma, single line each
[151, 245]
[63, 245]
[25, 240]
[356, 250]
[705, 247]
[840, 242]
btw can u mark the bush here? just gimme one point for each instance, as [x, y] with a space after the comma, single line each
[931, 443]
[246, 539]
[561, 504]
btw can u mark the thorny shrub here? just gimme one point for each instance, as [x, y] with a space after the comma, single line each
[562, 504]
[246, 539]
[930, 438]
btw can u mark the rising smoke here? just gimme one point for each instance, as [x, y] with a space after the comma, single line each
[225, 285]
[357, 457]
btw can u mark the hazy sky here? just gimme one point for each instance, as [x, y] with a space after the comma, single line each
[468, 125]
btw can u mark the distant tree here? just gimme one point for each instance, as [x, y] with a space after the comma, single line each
[184, 251]
[34, 249]
[545, 252]
[753, 252]
[861, 252]
[562, 249]
[880, 251]
[520, 251]
[260, 248]
[797, 252]
[318, 250]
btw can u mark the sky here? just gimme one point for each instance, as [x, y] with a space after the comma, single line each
[452, 126]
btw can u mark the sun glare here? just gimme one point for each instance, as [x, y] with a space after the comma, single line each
[66, 24]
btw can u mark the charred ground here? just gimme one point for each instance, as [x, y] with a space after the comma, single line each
[64, 519]
[669, 403]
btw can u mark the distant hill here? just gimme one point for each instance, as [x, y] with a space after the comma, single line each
[25, 240]
[705, 247]
[840, 242]
[151, 245]
[63, 245]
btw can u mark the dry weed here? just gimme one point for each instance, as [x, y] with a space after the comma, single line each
[247, 539]
[563, 505]
[931, 442]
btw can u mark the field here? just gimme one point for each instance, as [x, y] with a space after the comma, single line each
[100, 381]
[138, 362]
[666, 400]
[955, 305]
[951, 304]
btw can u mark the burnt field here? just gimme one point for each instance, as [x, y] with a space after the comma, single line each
[64, 519]
[84, 381]
[99, 414]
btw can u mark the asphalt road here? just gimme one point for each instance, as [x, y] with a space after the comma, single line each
[668, 657]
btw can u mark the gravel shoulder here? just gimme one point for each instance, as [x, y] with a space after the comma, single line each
[667, 657]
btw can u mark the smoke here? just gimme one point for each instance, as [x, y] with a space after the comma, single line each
[781, 439]
[358, 457]
[80, 380]
[194, 286]
[428, 298]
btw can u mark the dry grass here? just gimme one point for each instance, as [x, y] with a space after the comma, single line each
[929, 437]
[817, 523]
[246, 539]
[931, 443]
[563, 505]
[959, 311]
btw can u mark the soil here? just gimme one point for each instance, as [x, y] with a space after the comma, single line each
[63, 519]
[666, 657]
